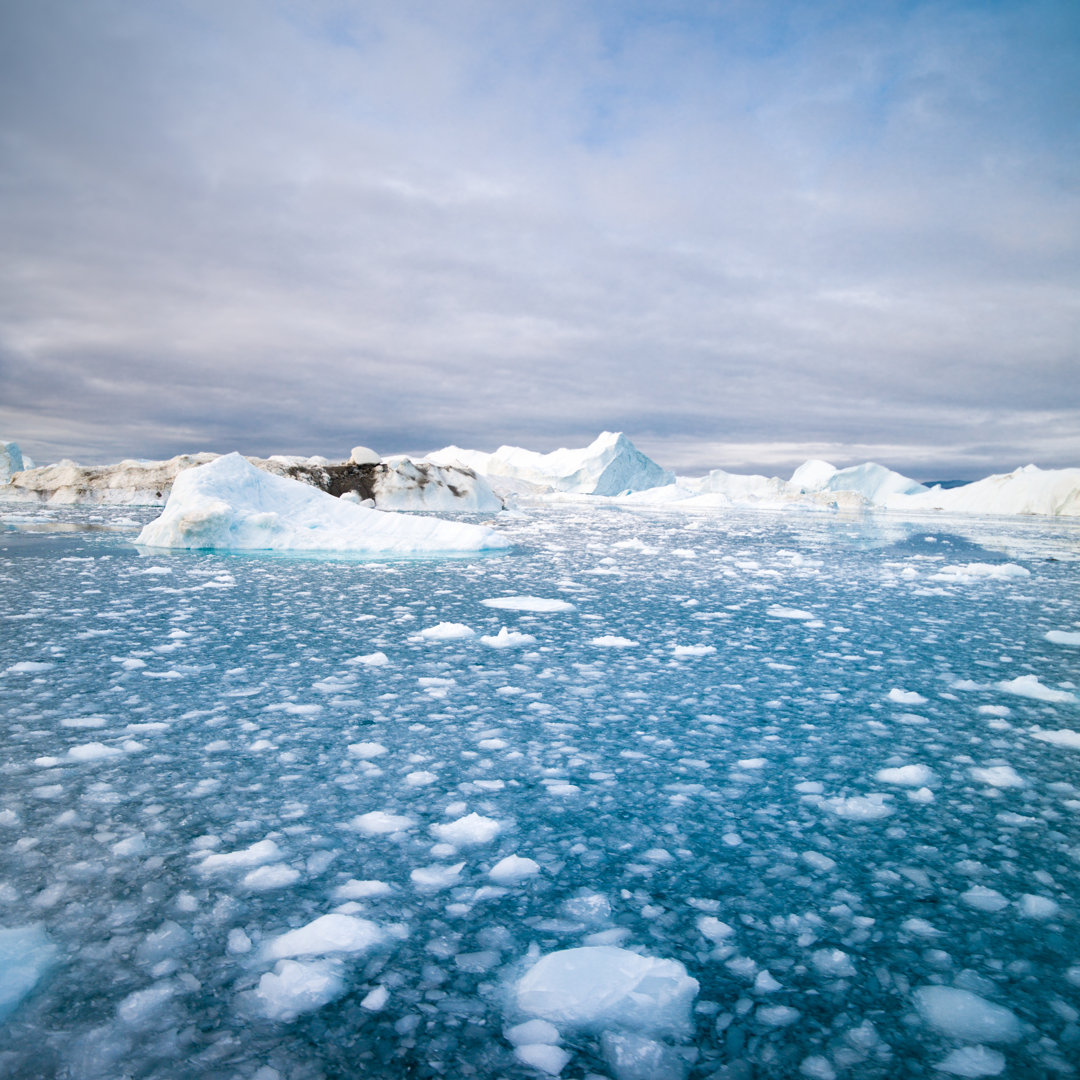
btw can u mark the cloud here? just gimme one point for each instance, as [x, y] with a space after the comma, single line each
[293, 229]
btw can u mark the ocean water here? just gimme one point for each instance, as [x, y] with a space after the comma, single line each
[827, 764]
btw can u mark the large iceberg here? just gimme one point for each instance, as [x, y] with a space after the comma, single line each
[1028, 490]
[610, 465]
[229, 504]
[872, 481]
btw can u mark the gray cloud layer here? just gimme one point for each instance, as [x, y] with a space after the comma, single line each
[738, 231]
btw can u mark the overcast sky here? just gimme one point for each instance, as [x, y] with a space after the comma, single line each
[742, 232]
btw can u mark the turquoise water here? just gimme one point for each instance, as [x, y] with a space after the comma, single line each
[722, 760]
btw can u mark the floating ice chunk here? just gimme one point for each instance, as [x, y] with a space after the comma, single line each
[905, 697]
[817, 1067]
[376, 1000]
[984, 899]
[361, 890]
[1063, 637]
[543, 1057]
[817, 861]
[1028, 686]
[777, 611]
[694, 650]
[447, 631]
[507, 639]
[238, 942]
[920, 928]
[633, 1057]
[869, 807]
[93, 751]
[714, 929]
[765, 983]
[906, 776]
[380, 823]
[264, 878]
[613, 641]
[835, 963]
[1037, 907]
[28, 667]
[437, 876]
[1062, 737]
[513, 868]
[967, 573]
[999, 776]
[527, 603]
[265, 851]
[366, 750]
[26, 954]
[375, 659]
[533, 1032]
[326, 935]
[420, 778]
[296, 987]
[600, 987]
[971, 1061]
[471, 829]
[229, 504]
[961, 1014]
[776, 1015]
[138, 1008]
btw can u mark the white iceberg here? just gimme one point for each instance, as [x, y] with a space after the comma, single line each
[600, 987]
[229, 504]
[610, 465]
[1028, 490]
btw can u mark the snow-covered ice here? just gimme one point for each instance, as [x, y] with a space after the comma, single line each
[228, 504]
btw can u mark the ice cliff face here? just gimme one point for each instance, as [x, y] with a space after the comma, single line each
[11, 461]
[610, 465]
[396, 485]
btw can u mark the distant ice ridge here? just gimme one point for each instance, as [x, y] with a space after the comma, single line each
[395, 484]
[229, 504]
[610, 465]
[1029, 490]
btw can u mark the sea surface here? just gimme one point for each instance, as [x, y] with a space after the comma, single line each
[826, 763]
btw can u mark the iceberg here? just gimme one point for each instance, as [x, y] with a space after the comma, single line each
[1029, 490]
[610, 465]
[230, 505]
[873, 482]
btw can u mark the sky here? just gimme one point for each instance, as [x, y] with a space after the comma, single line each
[744, 233]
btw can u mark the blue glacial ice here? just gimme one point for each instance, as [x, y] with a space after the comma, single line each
[801, 796]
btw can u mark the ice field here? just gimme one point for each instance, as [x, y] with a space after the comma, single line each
[649, 796]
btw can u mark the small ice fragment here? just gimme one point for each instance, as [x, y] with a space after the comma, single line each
[777, 1015]
[972, 1061]
[513, 868]
[963, 1015]
[375, 659]
[447, 631]
[1038, 907]
[870, 807]
[777, 611]
[26, 954]
[613, 641]
[334, 933]
[361, 890]
[92, 751]
[238, 942]
[1062, 737]
[296, 987]
[471, 829]
[366, 750]
[543, 1057]
[715, 930]
[1063, 637]
[599, 987]
[694, 650]
[1029, 686]
[984, 899]
[833, 962]
[631, 1056]
[527, 603]
[906, 776]
[817, 1067]
[905, 697]
[533, 1032]
[275, 876]
[436, 877]
[376, 1000]
[380, 823]
[137, 1008]
[999, 776]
